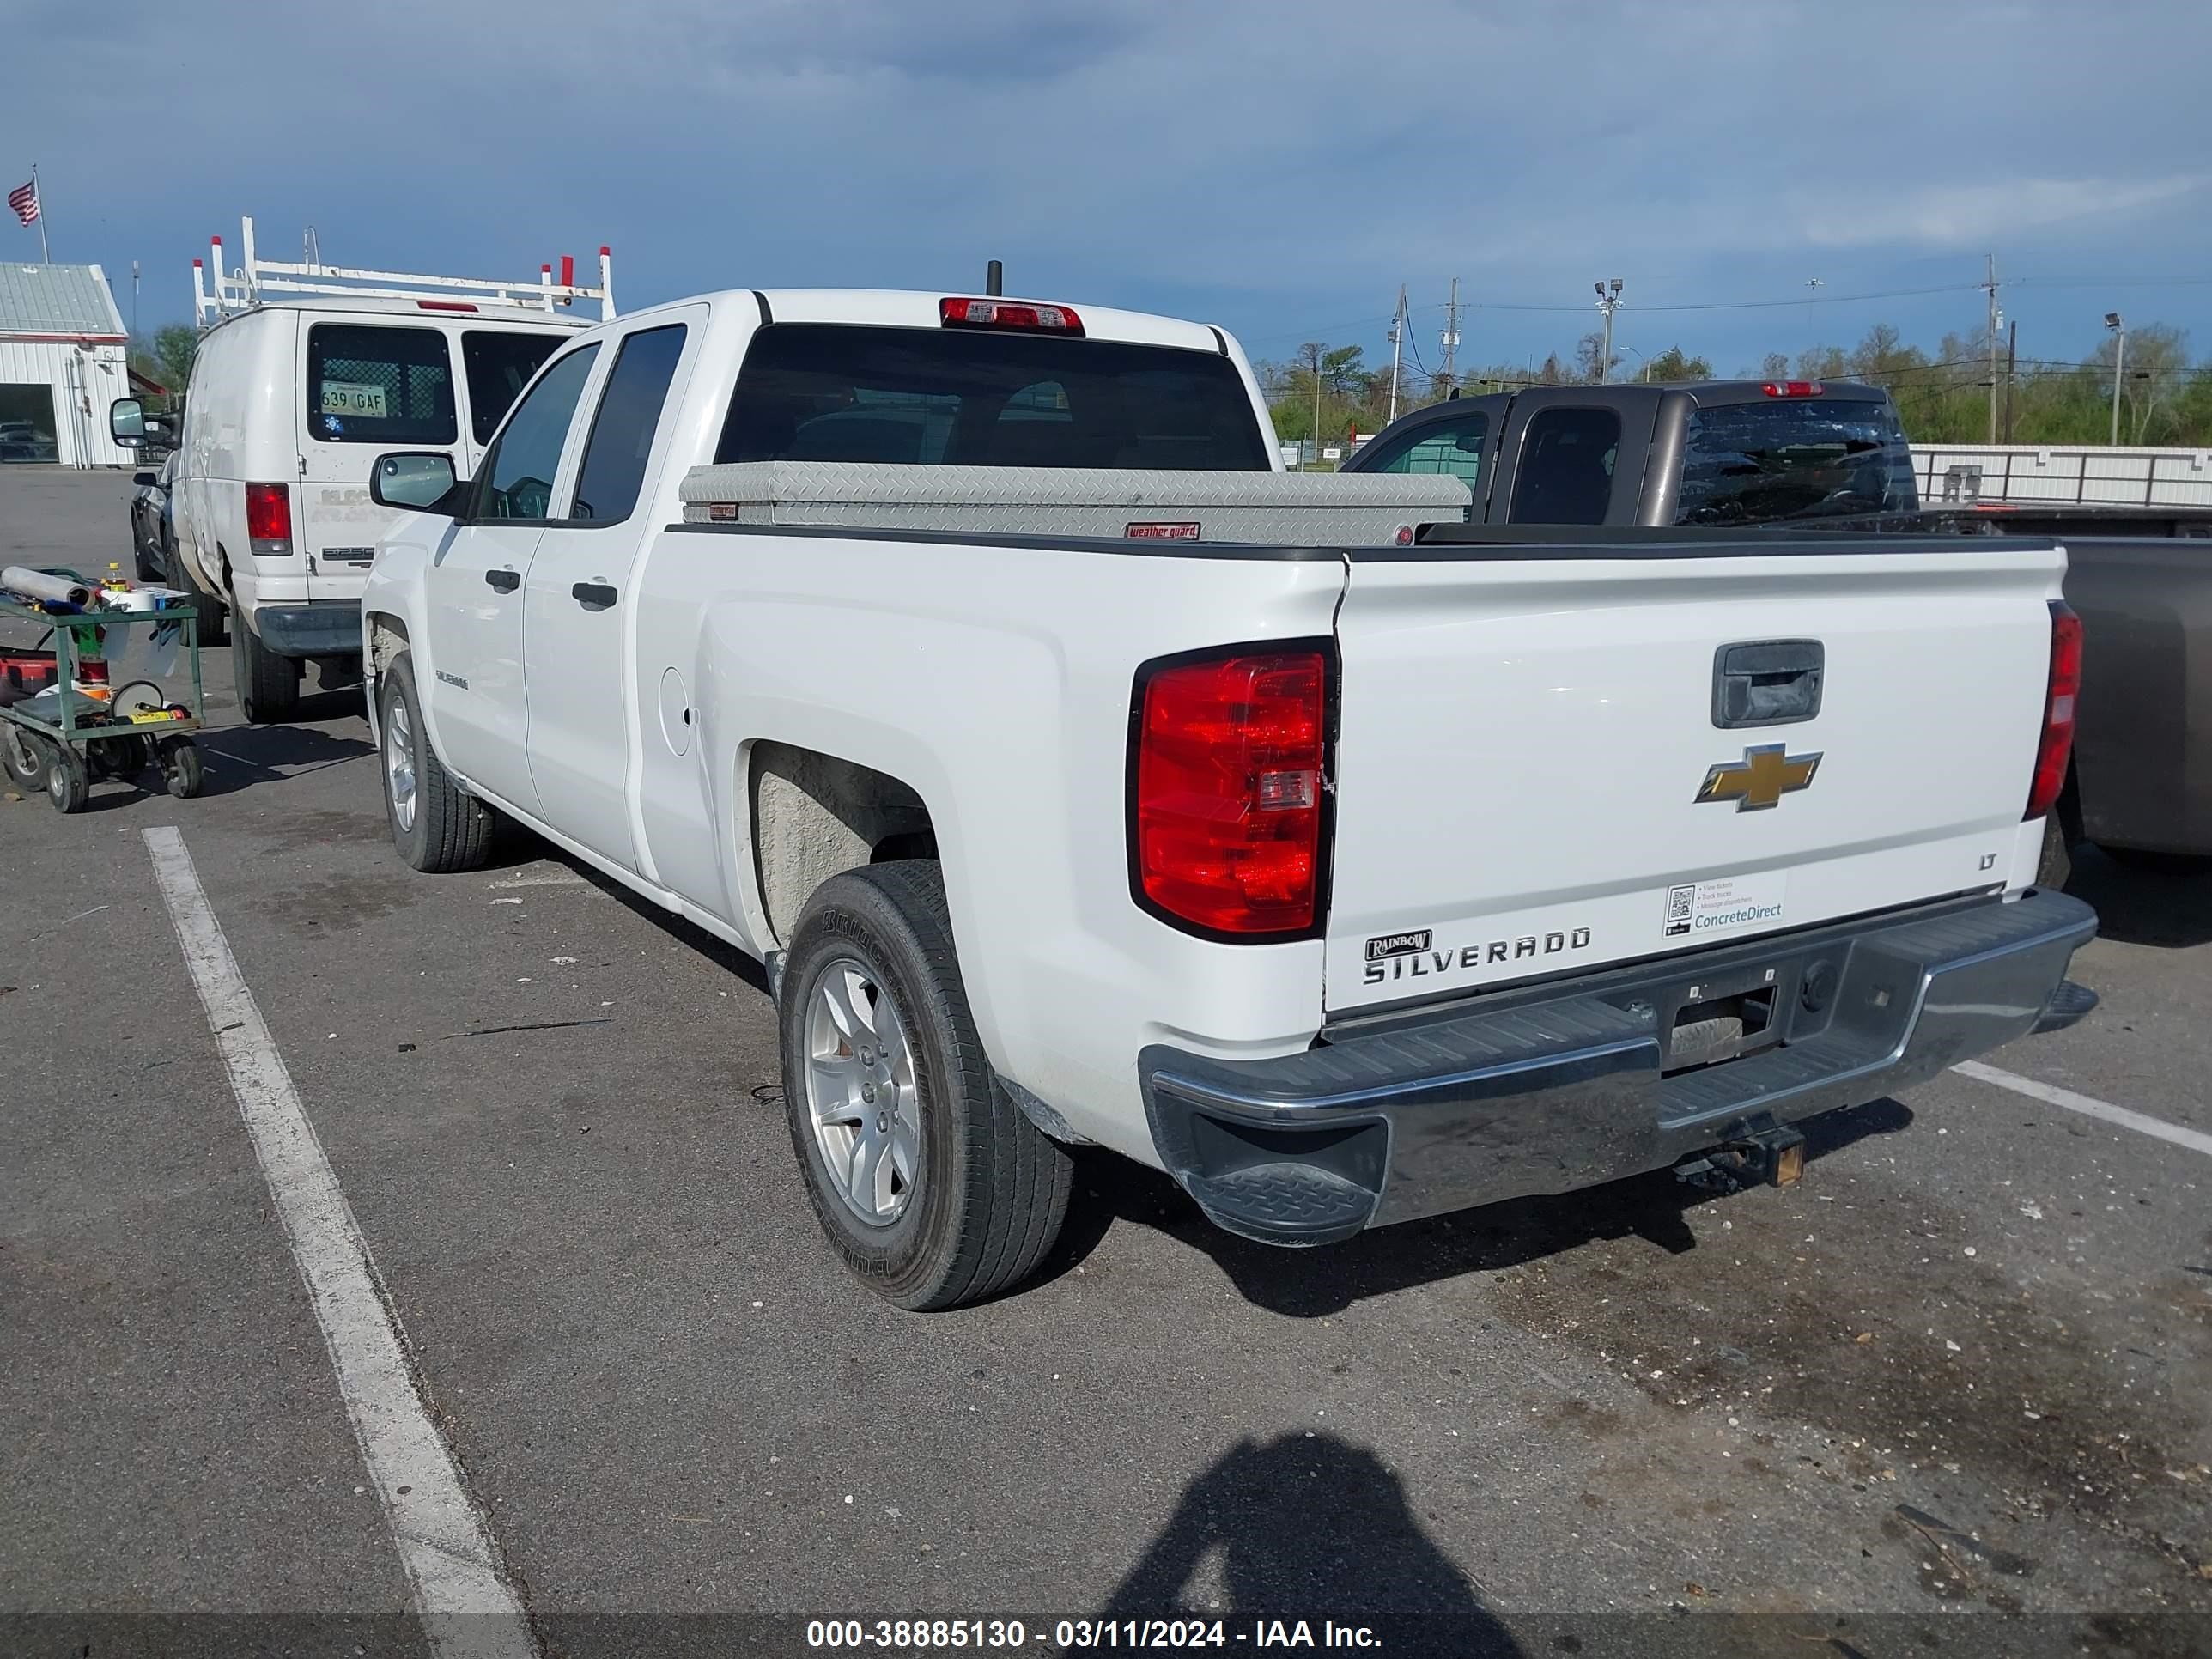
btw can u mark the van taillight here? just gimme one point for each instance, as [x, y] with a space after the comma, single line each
[2064, 686]
[1226, 830]
[269, 519]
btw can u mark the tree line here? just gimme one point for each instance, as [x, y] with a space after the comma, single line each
[1943, 396]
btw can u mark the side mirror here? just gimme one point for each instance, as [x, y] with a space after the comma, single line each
[417, 481]
[144, 480]
[131, 425]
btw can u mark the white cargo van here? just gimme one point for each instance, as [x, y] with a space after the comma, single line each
[305, 373]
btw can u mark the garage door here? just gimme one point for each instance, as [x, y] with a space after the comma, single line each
[27, 424]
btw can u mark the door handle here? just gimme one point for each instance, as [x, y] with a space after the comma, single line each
[599, 593]
[1767, 683]
[505, 580]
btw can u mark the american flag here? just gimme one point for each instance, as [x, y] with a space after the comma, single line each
[24, 198]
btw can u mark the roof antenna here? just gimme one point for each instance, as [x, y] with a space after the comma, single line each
[995, 279]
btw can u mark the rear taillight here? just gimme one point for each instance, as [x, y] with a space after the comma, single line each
[1226, 837]
[1008, 314]
[269, 519]
[1791, 388]
[2065, 686]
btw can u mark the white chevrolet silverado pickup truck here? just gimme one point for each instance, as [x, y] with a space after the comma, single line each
[1079, 777]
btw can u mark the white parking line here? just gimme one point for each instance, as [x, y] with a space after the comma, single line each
[2158, 1129]
[467, 1608]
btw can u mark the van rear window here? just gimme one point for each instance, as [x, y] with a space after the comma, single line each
[379, 385]
[499, 365]
[1794, 459]
[819, 391]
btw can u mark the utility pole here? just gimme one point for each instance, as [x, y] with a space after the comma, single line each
[2012, 378]
[1313, 368]
[134, 299]
[1989, 286]
[1397, 345]
[2113, 320]
[1607, 303]
[1450, 376]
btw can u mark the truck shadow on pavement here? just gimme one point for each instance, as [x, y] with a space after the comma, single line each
[240, 756]
[2160, 903]
[1314, 1283]
[1308, 1527]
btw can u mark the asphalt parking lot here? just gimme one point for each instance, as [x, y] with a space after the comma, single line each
[1952, 1392]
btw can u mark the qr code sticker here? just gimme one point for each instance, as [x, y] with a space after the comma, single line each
[1679, 902]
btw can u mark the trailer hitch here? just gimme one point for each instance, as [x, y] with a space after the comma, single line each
[1771, 1157]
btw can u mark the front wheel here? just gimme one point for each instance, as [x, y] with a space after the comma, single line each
[930, 1182]
[437, 829]
[68, 783]
[183, 773]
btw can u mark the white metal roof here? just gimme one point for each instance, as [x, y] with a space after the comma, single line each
[58, 302]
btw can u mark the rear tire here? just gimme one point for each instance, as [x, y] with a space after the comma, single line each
[2157, 864]
[984, 1191]
[2056, 867]
[25, 756]
[268, 684]
[437, 829]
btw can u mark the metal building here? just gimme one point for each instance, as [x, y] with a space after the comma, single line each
[62, 361]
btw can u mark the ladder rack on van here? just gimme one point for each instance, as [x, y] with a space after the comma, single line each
[257, 279]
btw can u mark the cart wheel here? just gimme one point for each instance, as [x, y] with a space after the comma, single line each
[181, 767]
[69, 785]
[25, 755]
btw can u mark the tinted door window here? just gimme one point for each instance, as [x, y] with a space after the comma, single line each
[392, 386]
[498, 366]
[1451, 447]
[1794, 459]
[519, 472]
[811, 392]
[622, 431]
[1565, 475]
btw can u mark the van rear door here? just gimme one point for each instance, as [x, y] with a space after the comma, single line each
[369, 384]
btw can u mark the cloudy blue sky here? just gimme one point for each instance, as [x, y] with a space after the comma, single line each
[1279, 169]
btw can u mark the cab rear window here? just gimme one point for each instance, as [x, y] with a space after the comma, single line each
[379, 385]
[811, 392]
[1794, 459]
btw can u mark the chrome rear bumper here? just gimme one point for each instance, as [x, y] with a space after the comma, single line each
[1570, 1083]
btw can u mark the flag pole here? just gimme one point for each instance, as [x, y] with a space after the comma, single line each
[40, 197]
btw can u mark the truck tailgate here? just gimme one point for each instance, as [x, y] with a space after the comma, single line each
[1531, 778]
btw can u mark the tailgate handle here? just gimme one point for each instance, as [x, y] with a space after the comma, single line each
[1767, 683]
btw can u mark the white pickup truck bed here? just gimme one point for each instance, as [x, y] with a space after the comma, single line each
[1346, 878]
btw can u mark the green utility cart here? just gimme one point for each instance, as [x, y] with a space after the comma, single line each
[55, 736]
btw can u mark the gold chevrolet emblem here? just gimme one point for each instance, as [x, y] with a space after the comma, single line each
[1760, 779]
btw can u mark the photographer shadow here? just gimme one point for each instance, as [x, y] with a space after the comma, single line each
[1312, 1527]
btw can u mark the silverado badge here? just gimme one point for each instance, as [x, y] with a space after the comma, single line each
[1760, 779]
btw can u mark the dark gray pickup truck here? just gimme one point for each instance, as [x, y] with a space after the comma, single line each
[1762, 452]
